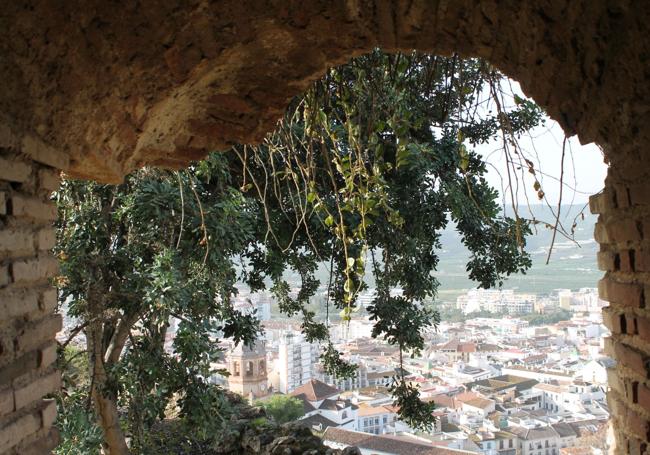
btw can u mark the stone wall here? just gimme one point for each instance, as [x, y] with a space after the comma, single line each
[623, 231]
[164, 83]
[27, 300]
[111, 88]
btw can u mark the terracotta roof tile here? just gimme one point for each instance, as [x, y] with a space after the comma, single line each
[315, 390]
[388, 444]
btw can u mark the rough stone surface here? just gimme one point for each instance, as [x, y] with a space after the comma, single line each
[97, 90]
[164, 83]
[27, 325]
[623, 212]
[248, 432]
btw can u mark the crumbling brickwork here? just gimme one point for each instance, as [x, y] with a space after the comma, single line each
[28, 174]
[623, 231]
[165, 83]
[113, 87]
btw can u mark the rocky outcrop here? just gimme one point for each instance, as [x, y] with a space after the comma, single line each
[251, 431]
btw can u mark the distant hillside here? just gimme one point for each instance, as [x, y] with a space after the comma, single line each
[572, 265]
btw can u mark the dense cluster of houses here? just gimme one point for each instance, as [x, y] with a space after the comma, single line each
[500, 386]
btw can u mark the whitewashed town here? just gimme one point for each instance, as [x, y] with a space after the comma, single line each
[511, 381]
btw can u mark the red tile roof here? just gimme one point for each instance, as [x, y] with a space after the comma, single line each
[315, 390]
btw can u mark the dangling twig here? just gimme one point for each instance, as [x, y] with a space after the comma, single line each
[180, 187]
[559, 202]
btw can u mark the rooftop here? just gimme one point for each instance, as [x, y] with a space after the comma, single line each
[394, 445]
[315, 390]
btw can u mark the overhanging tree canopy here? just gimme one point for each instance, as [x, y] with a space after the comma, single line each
[362, 173]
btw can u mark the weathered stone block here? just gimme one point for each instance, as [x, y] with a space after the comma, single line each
[14, 303]
[607, 261]
[37, 389]
[631, 358]
[5, 278]
[6, 401]
[37, 333]
[623, 294]
[48, 413]
[47, 355]
[30, 207]
[14, 432]
[625, 230]
[16, 240]
[42, 153]
[46, 238]
[48, 300]
[34, 269]
[19, 367]
[48, 179]
[14, 171]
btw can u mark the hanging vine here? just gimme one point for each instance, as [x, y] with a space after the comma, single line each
[374, 161]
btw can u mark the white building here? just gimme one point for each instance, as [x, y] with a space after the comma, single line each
[353, 329]
[573, 399]
[375, 419]
[496, 301]
[536, 438]
[324, 407]
[296, 361]
[358, 381]
[595, 371]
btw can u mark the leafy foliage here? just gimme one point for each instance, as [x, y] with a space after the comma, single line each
[367, 169]
[136, 256]
[363, 173]
[283, 408]
[79, 433]
[548, 318]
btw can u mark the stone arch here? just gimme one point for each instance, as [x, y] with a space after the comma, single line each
[97, 91]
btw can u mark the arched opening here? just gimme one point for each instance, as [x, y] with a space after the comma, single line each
[582, 61]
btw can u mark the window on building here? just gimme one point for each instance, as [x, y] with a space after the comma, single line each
[262, 367]
[344, 415]
[249, 369]
[510, 443]
[235, 368]
[385, 419]
[500, 443]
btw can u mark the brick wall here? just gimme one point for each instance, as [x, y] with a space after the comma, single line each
[27, 300]
[623, 231]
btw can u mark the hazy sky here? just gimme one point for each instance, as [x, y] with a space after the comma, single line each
[584, 169]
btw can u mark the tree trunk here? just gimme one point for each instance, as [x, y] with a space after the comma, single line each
[109, 420]
[105, 404]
